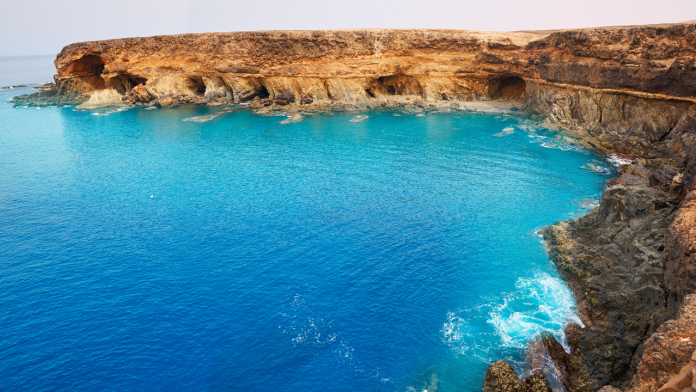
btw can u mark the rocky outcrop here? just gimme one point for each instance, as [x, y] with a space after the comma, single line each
[679, 257]
[612, 260]
[501, 377]
[669, 357]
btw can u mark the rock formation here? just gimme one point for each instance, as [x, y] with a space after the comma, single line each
[629, 90]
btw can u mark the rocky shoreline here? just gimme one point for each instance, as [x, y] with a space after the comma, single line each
[631, 262]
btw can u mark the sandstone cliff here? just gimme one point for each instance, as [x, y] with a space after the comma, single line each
[631, 90]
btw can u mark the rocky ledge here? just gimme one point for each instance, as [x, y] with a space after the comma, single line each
[631, 262]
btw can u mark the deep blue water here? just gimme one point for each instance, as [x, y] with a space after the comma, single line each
[140, 252]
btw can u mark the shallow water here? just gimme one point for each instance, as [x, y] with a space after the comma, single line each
[143, 252]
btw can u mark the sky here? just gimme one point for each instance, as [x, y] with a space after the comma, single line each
[44, 27]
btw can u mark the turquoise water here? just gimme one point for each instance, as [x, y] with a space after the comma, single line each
[142, 252]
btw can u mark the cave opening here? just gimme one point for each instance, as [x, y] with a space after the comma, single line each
[197, 86]
[90, 65]
[125, 83]
[508, 88]
[262, 93]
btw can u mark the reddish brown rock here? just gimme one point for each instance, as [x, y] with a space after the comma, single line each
[668, 352]
[679, 257]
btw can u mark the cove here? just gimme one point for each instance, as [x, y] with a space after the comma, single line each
[144, 252]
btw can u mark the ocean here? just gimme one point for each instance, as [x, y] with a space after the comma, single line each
[157, 250]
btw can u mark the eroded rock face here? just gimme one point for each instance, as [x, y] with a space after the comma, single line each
[623, 72]
[612, 260]
[501, 377]
[679, 257]
[669, 358]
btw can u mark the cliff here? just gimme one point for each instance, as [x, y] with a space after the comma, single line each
[632, 90]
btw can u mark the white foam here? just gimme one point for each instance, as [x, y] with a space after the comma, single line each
[540, 303]
[111, 111]
[204, 118]
[618, 160]
[588, 204]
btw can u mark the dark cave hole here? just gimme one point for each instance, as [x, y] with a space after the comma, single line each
[262, 93]
[86, 66]
[198, 85]
[508, 88]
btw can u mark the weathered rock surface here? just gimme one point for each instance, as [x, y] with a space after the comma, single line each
[501, 377]
[612, 260]
[670, 350]
[679, 256]
[625, 87]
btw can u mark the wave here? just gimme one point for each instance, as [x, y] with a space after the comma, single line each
[618, 160]
[588, 204]
[110, 111]
[597, 168]
[511, 320]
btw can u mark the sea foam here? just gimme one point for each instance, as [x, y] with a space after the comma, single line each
[539, 303]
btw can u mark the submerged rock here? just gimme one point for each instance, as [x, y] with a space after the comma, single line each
[292, 119]
[505, 131]
[359, 118]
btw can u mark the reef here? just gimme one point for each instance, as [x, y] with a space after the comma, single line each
[630, 263]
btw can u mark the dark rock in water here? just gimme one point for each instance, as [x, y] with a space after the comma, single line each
[45, 86]
[662, 178]
[612, 260]
[669, 349]
[559, 357]
[10, 87]
[501, 377]
[537, 383]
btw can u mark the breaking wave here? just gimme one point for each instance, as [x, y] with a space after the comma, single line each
[540, 303]
[618, 160]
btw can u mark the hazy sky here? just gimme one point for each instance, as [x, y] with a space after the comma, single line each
[44, 26]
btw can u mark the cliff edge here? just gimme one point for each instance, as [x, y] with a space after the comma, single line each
[629, 90]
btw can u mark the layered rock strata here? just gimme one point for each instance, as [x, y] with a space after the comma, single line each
[631, 90]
